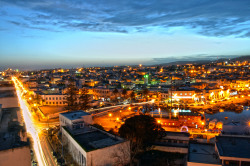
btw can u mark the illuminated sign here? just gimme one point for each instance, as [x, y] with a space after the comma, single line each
[173, 110]
[233, 93]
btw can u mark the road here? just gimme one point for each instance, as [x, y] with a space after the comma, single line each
[32, 127]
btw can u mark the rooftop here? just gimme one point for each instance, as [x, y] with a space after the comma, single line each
[233, 146]
[202, 153]
[95, 139]
[73, 115]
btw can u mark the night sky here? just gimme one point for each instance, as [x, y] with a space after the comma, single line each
[38, 34]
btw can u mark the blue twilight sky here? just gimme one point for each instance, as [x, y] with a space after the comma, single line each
[73, 33]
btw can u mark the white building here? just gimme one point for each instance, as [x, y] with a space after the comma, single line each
[75, 120]
[54, 100]
[89, 145]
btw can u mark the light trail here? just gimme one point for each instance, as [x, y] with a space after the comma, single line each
[30, 126]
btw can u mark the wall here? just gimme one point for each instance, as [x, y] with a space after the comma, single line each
[76, 151]
[9, 102]
[118, 154]
[171, 149]
[17, 156]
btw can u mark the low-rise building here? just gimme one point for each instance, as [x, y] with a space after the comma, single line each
[233, 150]
[174, 142]
[89, 145]
[54, 99]
[202, 155]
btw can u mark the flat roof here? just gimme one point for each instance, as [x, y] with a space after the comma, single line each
[96, 140]
[73, 115]
[233, 146]
[202, 153]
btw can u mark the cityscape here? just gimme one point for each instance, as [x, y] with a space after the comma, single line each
[106, 83]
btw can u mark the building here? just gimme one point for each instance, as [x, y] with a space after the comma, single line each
[233, 150]
[174, 142]
[75, 120]
[89, 145]
[227, 151]
[54, 99]
[202, 155]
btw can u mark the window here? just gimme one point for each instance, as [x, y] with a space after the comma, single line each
[60, 98]
[46, 98]
[185, 94]
[46, 102]
[60, 102]
[53, 102]
[180, 93]
[56, 102]
[53, 98]
[49, 98]
[49, 102]
[56, 98]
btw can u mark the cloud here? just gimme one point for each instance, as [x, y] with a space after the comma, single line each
[206, 17]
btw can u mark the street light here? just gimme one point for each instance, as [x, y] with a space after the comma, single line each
[110, 116]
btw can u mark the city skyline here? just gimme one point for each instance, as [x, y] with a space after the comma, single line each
[47, 34]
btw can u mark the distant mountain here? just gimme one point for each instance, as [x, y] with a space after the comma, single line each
[241, 58]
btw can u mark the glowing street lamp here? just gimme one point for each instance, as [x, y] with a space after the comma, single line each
[110, 116]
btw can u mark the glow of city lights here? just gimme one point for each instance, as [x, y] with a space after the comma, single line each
[30, 126]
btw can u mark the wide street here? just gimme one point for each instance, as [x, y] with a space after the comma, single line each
[42, 150]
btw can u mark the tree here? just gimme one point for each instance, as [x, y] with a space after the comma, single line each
[36, 99]
[124, 93]
[132, 96]
[115, 92]
[84, 100]
[145, 93]
[71, 97]
[141, 130]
